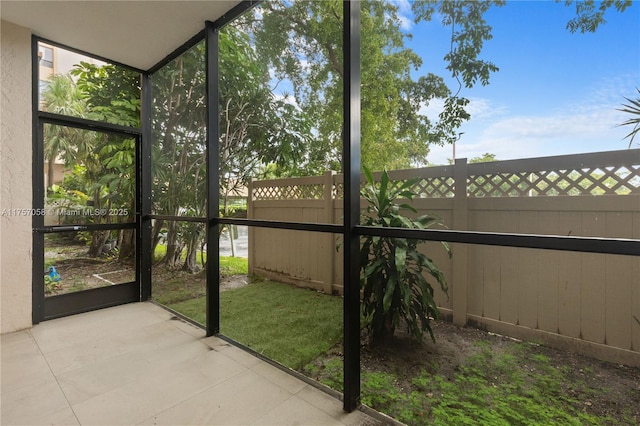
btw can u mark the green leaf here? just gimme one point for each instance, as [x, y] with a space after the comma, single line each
[401, 260]
[388, 295]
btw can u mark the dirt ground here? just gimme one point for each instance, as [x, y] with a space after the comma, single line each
[618, 386]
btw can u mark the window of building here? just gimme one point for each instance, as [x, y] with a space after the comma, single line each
[46, 56]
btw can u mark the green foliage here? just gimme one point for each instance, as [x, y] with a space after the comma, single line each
[394, 132]
[632, 108]
[112, 92]
[484, 158]
[233, 266]
[393, 269]
[589, 17]
[493, 387]
[469, 31]
[287, 324]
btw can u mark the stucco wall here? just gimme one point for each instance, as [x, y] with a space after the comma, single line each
[15, 177]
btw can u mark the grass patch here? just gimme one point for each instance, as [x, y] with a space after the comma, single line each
[233, 266]
[511, 386]
[172, 287]
[290, 325]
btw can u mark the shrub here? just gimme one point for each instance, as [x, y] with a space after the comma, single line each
[393, 269]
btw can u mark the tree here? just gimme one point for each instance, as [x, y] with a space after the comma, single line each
[112, 94]
[484, 158]
[302, 42]
[588, 18]
[256, 129]
[62, 96]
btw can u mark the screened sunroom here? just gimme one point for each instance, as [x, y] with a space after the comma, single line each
[139, 137]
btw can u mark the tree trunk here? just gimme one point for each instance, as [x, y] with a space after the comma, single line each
[97, 243]
[127, 245]
[157, 227]
[50, 171]
[190, 264]
[174, 250]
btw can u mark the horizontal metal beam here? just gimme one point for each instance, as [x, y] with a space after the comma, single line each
[295, 226]
[88, 227]
[548, 242]
[85, 124]
[176, 218]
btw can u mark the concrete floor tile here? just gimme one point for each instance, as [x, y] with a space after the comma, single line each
[189, 328]
[237, 354]
[333, 407]
[97, 348]
[134, 402]
[155, 393]
[100, 377]
[22, 364]
[102, 324]
[64, 417]
[279, 377]
[215, 342]
[17, 336]
[240, 400]
[296, 411]
[24, 405]
[134, 363]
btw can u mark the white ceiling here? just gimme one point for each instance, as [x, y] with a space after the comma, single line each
[135, 33]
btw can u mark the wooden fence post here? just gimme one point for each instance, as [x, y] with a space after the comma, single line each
[328, 273]
[250, 231]
[460, 267]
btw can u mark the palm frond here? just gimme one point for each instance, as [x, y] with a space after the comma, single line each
[632, 108]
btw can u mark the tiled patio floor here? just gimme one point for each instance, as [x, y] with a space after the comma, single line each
[134, 364]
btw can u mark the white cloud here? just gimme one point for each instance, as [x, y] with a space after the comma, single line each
[405, 14]
[484, 109]
[587, 123]
[286, 98]
[479, 108]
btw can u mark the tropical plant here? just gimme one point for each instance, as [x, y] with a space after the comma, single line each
[393, 270]
[62, 96]
[632, 108]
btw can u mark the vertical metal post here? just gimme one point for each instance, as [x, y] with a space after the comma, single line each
[351, 170]
[144, 256]
[37, 185]
[213, 181]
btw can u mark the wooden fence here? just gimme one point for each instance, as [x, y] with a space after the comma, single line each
[588, 303]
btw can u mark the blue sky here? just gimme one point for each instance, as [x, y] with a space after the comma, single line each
[556, 92]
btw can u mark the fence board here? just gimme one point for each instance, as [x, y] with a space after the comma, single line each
[475, 284]
[618, 288]
[509, 280]
[591, 297]
[548, 270]
[593, 282]
[569, 282]
[635, 289]
[617, 300]
[490, 272]
[635, 307]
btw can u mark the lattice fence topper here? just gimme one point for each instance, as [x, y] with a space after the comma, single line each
[434, 188]
[579, 176]
[620, 180]
[425, 188]
[289, 192]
